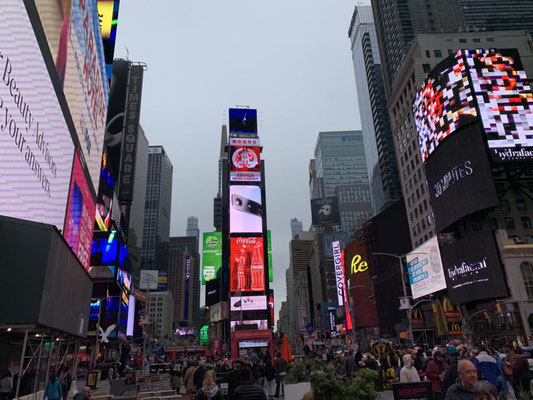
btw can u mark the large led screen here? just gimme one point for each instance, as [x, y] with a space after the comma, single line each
[81, 210]
[246, 209]
[72, 30]
[243, 121]
[444, 102]
[505, 102]
[424, 264]
[108, 12]
[248, 303]
[325, 211]
[459, 177]
[36, 149]
[255, 324]
[245, 160]
[247, 268]
[473, 269]
[211, 255]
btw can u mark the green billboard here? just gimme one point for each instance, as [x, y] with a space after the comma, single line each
[211, 255]
[269, 251]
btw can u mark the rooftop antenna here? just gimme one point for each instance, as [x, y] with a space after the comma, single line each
[127, 53]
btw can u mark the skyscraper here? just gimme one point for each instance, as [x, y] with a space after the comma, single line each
[192, 228]
[156, 231]
[296, 227]
[222, 164]
[341, 171]
[377, 136]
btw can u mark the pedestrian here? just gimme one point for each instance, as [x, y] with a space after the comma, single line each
[53, 389]
[111, 374]
[435, 373]
[258, 372]
[487, 368]
[349, 362]
[6, 384]
[247, 390]
[65, 379]
[408, 373]
[484, 390]
[281, 371]
[85, 394]
[339, 370]
[451, 375]
[199, 375]
[270, 375]
[463, 388]
[209, 389]
[188, 380]
[234, 378]
[520, 371]
[175, 380]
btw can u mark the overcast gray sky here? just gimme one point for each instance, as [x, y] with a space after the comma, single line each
[289, 59]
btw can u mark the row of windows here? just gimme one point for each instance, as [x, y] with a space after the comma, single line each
[505, 205]
[509, 223]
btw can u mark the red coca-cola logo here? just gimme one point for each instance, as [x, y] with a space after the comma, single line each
[246, 241]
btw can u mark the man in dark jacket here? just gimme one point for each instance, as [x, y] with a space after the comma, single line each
[349, 362]
[435, 373]
[198, 378]
[463, 388]
[234, 377]
[247, 390]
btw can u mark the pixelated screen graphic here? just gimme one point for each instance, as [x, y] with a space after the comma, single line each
[444, 103]
[505, 102]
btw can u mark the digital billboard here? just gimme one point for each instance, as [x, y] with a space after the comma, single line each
[328, 238]
[108, 13]
[72, 30]
[242, 121]
[269, 254]
[473, 269]
[149, 279]
[245, 160]
[106, 191]
[505, 102]
[339, 273]
[325, 211]
[256, 324]
[444, 102]
[459, 177]
[248, 303]
[424, 264]
[81, 210]
[247, 269]
[246, 209]
[35, 142]
[212, 292]
[211, 255]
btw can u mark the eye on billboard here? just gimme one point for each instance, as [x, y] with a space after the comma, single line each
[248, 303]
[242, 121]
[245, 159]
[211, 255]
[459, 177]
[72, 30]
[424, 264]
[35, 142]
[81, 210]
[325, 211]
[247, 269]
[246, 209]
[473, 269]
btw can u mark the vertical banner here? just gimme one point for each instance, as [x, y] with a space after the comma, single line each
[269, 253]
[108, 16]
[339, 271]
[187, 284]
[211, 255]
[131, 131]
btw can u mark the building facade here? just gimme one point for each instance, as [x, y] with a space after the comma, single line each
[296, 227]
[156, 230]
[192, 228]
[377, 136]
[161, 309]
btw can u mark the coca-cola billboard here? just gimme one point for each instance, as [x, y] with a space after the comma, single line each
[247, 268]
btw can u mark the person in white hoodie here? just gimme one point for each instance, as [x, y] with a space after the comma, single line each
[408, 373]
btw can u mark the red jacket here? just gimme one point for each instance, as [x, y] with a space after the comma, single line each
[432, 373]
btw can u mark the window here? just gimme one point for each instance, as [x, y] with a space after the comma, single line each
[450, 52]
[526, 222]
[489, 39]
[437, 53]
[426, 68]
[526, 269]
[462, 40]
[521, 205]
[477, 40]
[504, 205]
[428, 54]
[509, 223]
[493, 224]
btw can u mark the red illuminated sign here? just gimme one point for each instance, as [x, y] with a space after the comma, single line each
[245, 165]
[247, 268]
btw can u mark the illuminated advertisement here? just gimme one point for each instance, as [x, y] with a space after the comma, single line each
[108, 249]
[247, 269]
[424, 264]
[245, 160]
[35, 142]
[246, 209]
[104, 201]
[444, 102]
[258, 324]
[72, 30]
[124, 281]
[242, 121]
[339, 272]
[131, 317]
[211, 255]
[108, 13]
[248, 303]
[505, 102]
[325, 211]
[473, 269]
[187, 287]
[79, 221]
[149, 279]
[252, 343]
[269, 254]
[212, 292]
[459, 177]
[328, 238]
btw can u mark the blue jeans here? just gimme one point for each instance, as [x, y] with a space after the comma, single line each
[279, 382]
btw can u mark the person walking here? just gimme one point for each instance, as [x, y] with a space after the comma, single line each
[349, 362]
[209, 389]
[65, 379]
[188, 380]
[435, 373]
[270, 375]
[175, 378]
[234, 378]
[258, 371]
[53, 389]
[487, 367]
[463, 389]
[247, 390]
[281, 371]
[6, 384]
[408, 373]
[85, 394]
